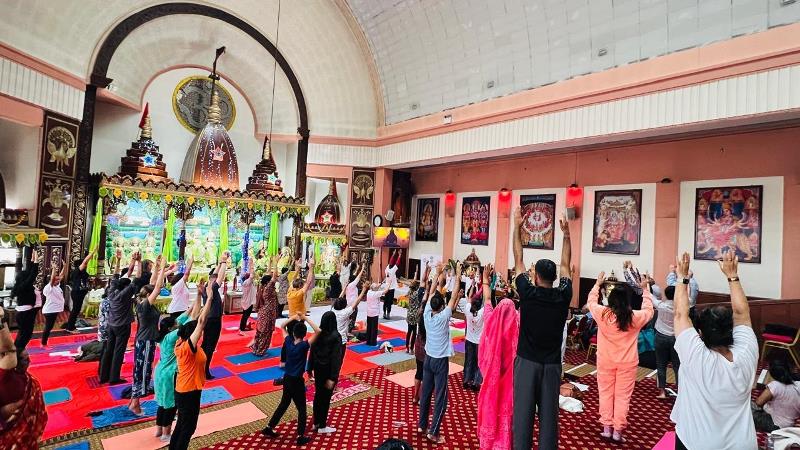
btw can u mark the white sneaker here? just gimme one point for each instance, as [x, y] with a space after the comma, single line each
[326, 430]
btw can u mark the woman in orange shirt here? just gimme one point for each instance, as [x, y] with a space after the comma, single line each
[191, 376]
[617, 352]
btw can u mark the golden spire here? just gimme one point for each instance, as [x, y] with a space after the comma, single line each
[267, 149]
[214, 113]
[147, 128]
[332, 187]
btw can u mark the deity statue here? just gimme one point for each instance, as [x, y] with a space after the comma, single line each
[285, 259]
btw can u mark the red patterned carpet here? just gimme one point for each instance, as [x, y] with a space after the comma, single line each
[364, 424]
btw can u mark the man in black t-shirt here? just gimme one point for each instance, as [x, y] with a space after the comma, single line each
[537, 369]
[78, 288]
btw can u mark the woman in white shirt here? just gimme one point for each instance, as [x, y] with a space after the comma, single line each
[54, 301]
[718, 368]
[391, 284]
[474, 318]
[778, 406]
[180, 292]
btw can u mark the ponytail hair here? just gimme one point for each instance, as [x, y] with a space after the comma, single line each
[165, 326]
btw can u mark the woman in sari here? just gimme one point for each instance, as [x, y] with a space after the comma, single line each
[267, 312]
[496, 354]
[22, 412]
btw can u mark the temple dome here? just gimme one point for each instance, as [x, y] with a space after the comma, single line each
[143, 160]
[265, 175]
[211, 158]
[328, 210]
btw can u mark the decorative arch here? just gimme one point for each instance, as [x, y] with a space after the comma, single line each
[99, 79]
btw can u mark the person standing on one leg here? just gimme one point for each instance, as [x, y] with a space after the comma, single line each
[180, 292]
[475, 319]
[439, 349]
[79, 287]
[617, 352]
[249, 294]
[537, 368]
[325, 363]
[343, 310]
[373, 308]
[54, 300]
[25, 292]
[294, 388]
[213, 326]
[190, 379]
[391, 284]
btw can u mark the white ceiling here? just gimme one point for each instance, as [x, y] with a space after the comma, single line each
[314, 37]
[433, 55]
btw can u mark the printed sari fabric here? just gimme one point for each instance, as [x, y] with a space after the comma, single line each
[24, 432]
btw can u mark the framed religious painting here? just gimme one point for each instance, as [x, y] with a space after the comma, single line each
[427, 220]
[61, 145]
[475, 220]
[363, 188]
[617, 222]
[55, 206]
[728, 219]
[538, 221]
[360, 227]
[190, 101]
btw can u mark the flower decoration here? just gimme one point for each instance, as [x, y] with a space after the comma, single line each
[190, 200]
[168, 198]
[42, 237]
[250, 205]
[143, 196]
[20, 238]
[212, 203]
[117, 192]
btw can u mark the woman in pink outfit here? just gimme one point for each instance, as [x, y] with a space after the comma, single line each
[496, 353]
[617, 350]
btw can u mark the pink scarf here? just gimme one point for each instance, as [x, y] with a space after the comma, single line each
[496, 354]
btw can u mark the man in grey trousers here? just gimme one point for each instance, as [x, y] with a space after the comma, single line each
[438, 350]
[537, 369]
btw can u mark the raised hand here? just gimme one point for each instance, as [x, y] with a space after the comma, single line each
[487, 271]
[729, 264]
[682, 265]
[601, 278]
[564, 224]
[518, 217]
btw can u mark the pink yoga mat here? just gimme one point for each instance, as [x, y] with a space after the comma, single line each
[667, 442]
[406, 379]
[207, 423]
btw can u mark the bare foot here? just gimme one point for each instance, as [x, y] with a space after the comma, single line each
[661, 396]
[420, 431]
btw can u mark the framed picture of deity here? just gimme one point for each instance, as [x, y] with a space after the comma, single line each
[363, 188]
[475, 220]
[617, 222]
[61, 145]
[360, 227]
[538, 221]
[55, 206]
[427, 220]
[728, 218]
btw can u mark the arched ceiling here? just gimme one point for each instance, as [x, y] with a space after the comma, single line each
[436, 55]
[314, 38]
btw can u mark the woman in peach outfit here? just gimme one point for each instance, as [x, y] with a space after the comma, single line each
[617, 351]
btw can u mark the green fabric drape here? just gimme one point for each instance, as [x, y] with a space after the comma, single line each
[223, 232]
[169, 236]
[273, 246]
[94, 242]
[317, 243]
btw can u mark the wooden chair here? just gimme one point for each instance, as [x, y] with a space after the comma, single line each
[780, 341]
[592, 347]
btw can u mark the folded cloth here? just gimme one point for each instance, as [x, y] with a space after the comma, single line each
[786, 437]
[573, 405]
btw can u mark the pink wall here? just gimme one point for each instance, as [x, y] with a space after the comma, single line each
[752, 154]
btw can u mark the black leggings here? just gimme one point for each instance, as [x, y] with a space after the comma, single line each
[411, 336]
[165, 416]
[77, 305]
[49, 323]
[25, 322]
[388, 301]
[322, 397]
[294, 391]
[211, 333]
[188, 406]
[245, 317]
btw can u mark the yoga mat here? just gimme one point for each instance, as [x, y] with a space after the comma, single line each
[384, 359]
[399, 325]
[455, 368]
[247, 358]
[460, 347]
[116, 391]
[403, 379]
[364, 348]
[345, 388]
[220, 372]
[121, 414]
[460, 324]
[455, 332]
[76, 446]
[667, 442]
[207, 423]
[56, 396]
[261, 375]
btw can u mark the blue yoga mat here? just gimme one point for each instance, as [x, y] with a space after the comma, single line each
[384, 359]
[460, 347]
[364, 348]
[120, 414]
[220, 372]
[261, 375]
[76, 446]
[56, 396]
[246, 358]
